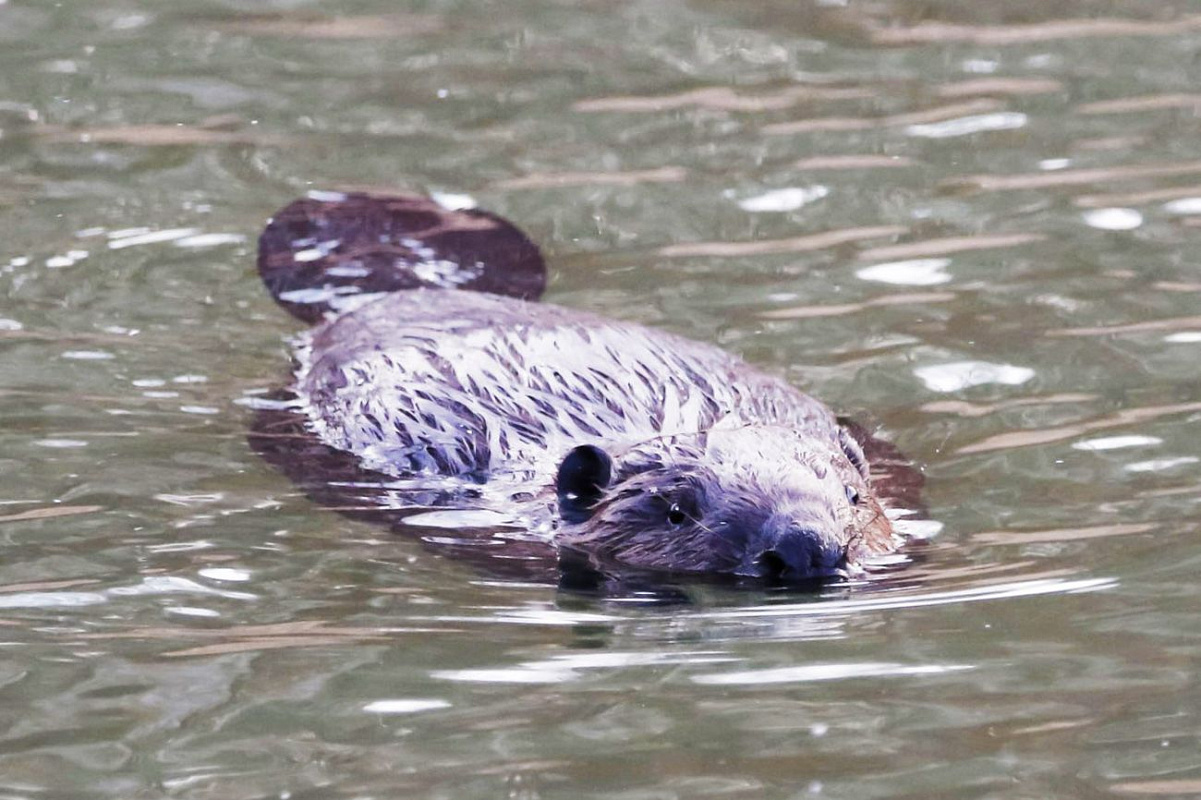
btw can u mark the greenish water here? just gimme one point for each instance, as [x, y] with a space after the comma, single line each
[176, 620]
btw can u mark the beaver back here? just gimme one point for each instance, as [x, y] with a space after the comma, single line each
[480, 386]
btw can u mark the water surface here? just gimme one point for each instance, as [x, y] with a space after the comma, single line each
[973, 226]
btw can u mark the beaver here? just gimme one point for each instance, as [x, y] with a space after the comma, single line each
[433, 369]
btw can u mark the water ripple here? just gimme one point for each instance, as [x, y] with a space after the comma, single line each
[1026, 34]
[796, 244]
[810, 673]
[1003, 591]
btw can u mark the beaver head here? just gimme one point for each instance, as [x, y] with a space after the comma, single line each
[753, 501]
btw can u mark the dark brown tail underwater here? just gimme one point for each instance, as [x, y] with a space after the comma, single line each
[324, 250]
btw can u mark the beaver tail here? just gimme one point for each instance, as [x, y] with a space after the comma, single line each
[322, 252]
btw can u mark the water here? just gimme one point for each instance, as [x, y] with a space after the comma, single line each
[974, 226]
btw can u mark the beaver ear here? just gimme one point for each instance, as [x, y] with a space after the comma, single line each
[583, 477]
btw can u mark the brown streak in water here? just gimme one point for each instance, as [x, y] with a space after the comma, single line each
[1130, 416]
[723, 98]
[809, 312]
[1176, 286]
[62, 336]
[557, 179]
[1136, 198]
[799, 244]
[156, 136]
[1053, 726]
[1001, 86]
[1103, 143]
[1184, 787]
[1173, 491]
[383, 26]
[1074, 177]
[963, 408]
[51, 512]
[307, 633]
[1062, 534]
[46, 586]
[58, 394]
[947, 246]
[819, 124]
[926, 116]
[1134, 105]
[273, 643]
[1172, 324]
[223, 122]
[298, 628]
[852, 162]
[938, 32]
[102, 434]
[943, 113]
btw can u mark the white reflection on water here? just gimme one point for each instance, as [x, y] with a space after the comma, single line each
[564, 668]
[960, 375]
[1185, 205]
[225, 574]
[203, 410]
[51, 599]
[192, 611]
[456, 519]
[963, 126]
[170, 584]
[915, 529]
[1051, 164]
[781, 200]
[1113, 219]
[87, 355]
[1117, 442]
[809, 673]
[210, 240]
[156, 585]
[119, 240]
[1161, 464]
[404, 706]
[1002, 591]
[915, 272]
[69, 260]
[454, 201]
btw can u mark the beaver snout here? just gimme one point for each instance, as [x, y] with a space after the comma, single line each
[794, 553]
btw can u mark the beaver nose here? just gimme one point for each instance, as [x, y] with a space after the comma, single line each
[798, 554]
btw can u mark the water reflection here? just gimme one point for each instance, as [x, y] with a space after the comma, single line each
[1025, 34]
[824, 672]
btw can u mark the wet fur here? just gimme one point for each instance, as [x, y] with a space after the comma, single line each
[469, 399]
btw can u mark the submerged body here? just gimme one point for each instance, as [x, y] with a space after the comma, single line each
[632, 445]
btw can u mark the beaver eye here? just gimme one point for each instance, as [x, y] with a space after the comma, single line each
[676, 515]
[852, 495]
